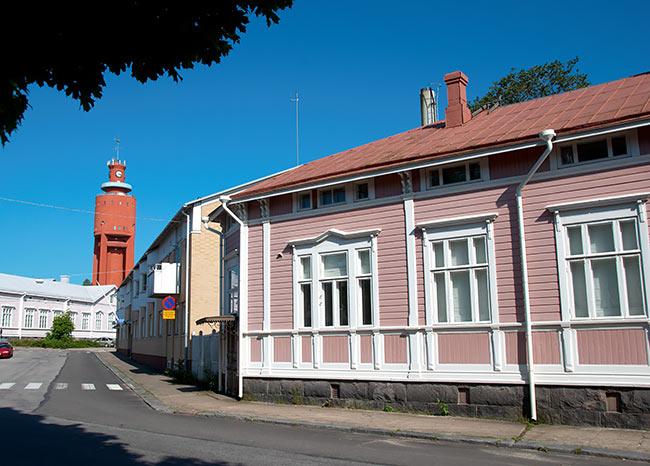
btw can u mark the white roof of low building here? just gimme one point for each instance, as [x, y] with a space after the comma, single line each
[49, 287]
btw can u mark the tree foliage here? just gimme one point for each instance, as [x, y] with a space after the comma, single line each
[62, 328]
[86, 282]
[71, 46]
[538, 81]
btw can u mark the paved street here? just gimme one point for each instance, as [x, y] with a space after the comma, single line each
[81, 413]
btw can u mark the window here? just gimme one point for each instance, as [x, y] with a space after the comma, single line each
[6, 315]
[452, 174]
[42, 318]
[361, 192]
[111, 319]
[330, 196]
[334, 281]
[29, 317]
[57, 313]
[232, 290]
[459, 270]
[601, 256]
[73, 317]
[85, 321]
[160, 323]
[143, 327]
[98, 320]
[304, 201]
[587, 151]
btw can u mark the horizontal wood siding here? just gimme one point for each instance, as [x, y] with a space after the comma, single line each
[335, 348]
[255, 279]
[366, 349]
[281, 205]
[516, 163]
[546, 348]
[464, 348]
[306, 349]
[395, 349]
[624, 346]
[282, 349]
[644, 140]
[253, 208]
[256, 350]
[388, 185]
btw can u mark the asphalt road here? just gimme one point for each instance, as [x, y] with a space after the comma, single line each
[80, 417]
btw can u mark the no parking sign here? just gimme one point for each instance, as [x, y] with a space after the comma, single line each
[169, 304]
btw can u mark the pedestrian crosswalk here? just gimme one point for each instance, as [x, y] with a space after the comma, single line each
[57, 386]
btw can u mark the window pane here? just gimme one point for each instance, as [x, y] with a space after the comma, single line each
[575, 240]
[364, 261]
[234, 277]
[474, 171]
[439, 253]
[483, 297]
[592, 150]
[366, 313]
[339, 195]
[329, 316]
[334, 265]
[342, 288]
[479, 250]
[362, 191]
[579, 289]
[606, 297]
[305, 289]
[460, 292]
[633, 283]
[305, 267]
[305, 201]
[441, 296]
[326, 197]
[566, 154]
[459, 253]
[454, 174]
[618, 146]
[434, 178]
[628, 233]
[601, 237]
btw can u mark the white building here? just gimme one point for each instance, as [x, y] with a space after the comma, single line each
[28, 305]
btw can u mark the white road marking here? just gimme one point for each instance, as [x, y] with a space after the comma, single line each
[61, 386]
[7, 385]
[113, 386]
[87, 386]
[33, 386]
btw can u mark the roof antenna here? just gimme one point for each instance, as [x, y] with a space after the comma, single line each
[117, 148]
[297, 154]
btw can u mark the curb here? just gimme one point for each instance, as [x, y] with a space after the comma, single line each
[159, 406]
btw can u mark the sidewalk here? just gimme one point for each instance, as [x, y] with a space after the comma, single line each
[163, 394]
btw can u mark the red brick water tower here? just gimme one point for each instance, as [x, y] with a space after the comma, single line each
[114, 228]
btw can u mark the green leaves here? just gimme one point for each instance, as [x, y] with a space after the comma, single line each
[539, 81]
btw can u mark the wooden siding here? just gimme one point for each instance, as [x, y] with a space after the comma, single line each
[282, 349]
[335, 349]
[621, 346]
[306, 349]
[366, 349]
[255, 279]
[464, 348]
[516, 163]
[254, 211]
[546, 348]
[256, 350]
[281, 205]
[388, 185]
[395, 349]
[644, 140]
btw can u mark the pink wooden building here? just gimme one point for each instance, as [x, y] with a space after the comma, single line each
[393, 273]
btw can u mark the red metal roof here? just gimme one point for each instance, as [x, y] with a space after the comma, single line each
[627, 99]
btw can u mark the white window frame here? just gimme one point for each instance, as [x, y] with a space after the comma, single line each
[483, 163]
[7, 313]
[332, 242]
[99, 317]
[611, 209]
[232, 291]
[43, 313]
[85, 321]
[73, 317]
[346, 189]
[297, 198]
[29, 317]
[631, 143]
[453, 229]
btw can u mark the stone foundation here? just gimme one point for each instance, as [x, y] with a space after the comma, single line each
[596, 406]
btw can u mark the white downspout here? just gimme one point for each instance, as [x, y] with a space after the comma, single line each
[547, 136]
[21, 311]
[186, 323]
[224, 203]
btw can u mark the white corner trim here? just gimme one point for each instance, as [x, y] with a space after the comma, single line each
[334, 232]
[490, 217]
[599, 202]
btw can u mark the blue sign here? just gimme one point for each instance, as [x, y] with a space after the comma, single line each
[169, 303]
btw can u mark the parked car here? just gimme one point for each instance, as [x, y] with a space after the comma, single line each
[6, 350]
[106, 342]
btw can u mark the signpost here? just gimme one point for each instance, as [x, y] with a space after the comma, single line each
[169, 306]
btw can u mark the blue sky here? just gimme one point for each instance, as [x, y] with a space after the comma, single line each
[358, 67]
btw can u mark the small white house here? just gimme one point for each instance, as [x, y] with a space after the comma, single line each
[28, 305]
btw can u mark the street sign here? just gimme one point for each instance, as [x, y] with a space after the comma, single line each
[169, 303]
[169, 315]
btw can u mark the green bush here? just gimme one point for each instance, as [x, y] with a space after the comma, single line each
[49, 342]
[62, 327]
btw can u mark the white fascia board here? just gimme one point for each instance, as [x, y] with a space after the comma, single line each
[490, 217]
[443, 160]
[598, 202]
[334, 232]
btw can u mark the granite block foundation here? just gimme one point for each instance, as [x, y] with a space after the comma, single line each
[595, 406]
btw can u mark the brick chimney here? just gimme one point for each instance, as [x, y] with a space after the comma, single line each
[457, 112]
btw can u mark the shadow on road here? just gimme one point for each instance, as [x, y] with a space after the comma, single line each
[28, 440]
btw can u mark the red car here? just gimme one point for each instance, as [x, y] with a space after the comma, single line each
[6, 350]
